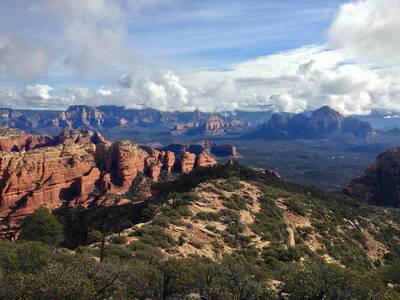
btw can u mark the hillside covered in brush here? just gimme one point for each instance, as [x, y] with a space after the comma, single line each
[225, 232]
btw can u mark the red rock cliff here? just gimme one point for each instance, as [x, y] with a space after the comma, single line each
[68, 173]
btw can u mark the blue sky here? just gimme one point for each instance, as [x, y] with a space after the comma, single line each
[214, 34]
[189, 35]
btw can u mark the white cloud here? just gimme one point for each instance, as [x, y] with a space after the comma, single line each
[369, 29]
[293, 81]
[37, 92]
[161, 90]
[103, 92]
[22, 57]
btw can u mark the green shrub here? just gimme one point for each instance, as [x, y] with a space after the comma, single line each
[211, 228]
[207, 216]
[197, 244]
[119, 239]
[155, 236]
[42, 226]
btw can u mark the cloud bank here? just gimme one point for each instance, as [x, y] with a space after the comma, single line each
[355, 71]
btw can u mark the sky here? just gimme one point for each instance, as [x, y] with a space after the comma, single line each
[253, 55]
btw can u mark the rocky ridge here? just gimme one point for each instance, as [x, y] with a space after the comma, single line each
[231, 209]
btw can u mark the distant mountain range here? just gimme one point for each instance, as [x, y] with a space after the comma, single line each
[79, 116]
[322, 123]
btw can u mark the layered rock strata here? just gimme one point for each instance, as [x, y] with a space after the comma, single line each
[72, 172]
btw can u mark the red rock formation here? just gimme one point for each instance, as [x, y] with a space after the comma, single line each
[126, 160]
[43, 177]
[187, 162]
[20, 141]
[180, 128]
[170, 160]
[155, 171]
[214, 126]
[80, 136]
[205, 160]
[69, 173]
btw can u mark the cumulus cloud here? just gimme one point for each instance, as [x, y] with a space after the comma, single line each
[162, 90]
[369, 29]
[103, 92]
[37, 92]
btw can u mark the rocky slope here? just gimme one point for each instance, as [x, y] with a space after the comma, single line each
[380, 185]
[324, 122]
[235, 210]
[78, 168]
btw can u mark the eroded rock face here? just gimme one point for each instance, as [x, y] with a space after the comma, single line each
[205, 160]
[69, 173]
[44, 177]
[187, 162]
[380, 185]
[16, 140]
[170, 160]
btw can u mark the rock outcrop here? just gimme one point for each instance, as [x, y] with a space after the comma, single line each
[273, 174]
[45, 177]
[77, 166]
[380, 185]
[205, 160]
[187, 162]
[170, 160]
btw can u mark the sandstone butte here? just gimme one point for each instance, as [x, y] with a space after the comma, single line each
[74, 166]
